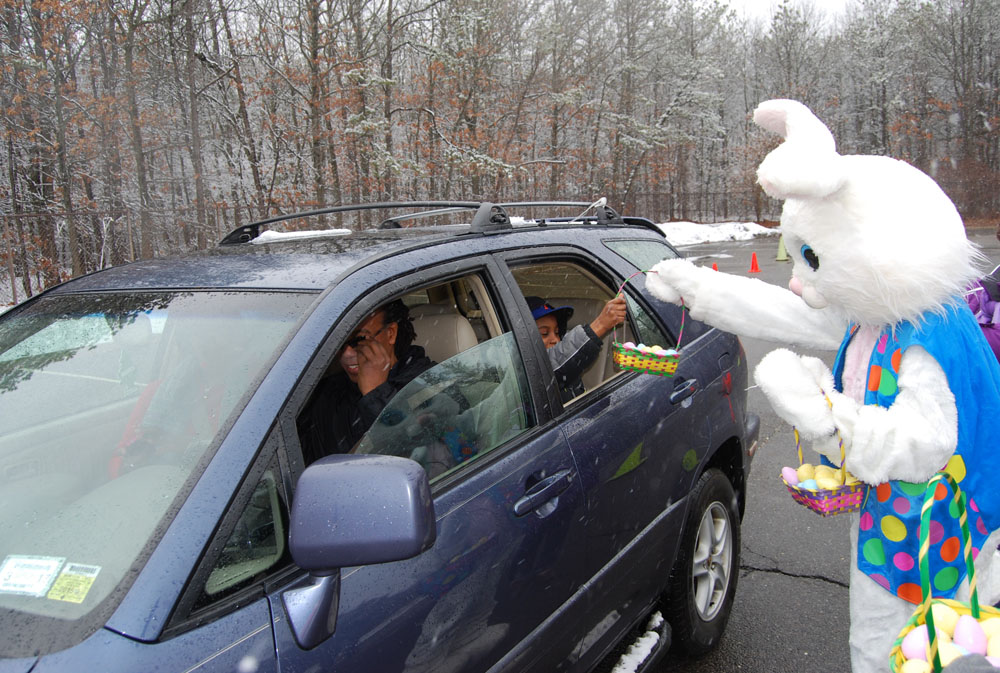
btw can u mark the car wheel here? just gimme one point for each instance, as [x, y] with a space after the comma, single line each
[703, 580]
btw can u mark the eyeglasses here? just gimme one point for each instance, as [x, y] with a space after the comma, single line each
[356, 340]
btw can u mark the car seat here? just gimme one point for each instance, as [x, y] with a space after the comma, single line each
[442, 331]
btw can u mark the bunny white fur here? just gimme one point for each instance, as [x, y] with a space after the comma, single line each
[888, 246]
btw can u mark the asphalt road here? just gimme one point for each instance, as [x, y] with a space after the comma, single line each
[790, 614]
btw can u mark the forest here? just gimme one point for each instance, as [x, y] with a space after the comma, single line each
[140, 128]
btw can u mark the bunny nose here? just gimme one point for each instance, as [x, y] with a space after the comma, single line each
[810, 295]
[795, 285]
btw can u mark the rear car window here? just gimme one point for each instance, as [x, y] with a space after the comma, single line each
[643, 254]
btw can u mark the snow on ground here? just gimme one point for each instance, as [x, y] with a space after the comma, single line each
[678, 233]
[690, 233]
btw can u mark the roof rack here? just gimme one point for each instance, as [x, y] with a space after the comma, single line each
[489, 217]
[394, 221]
[247, 233]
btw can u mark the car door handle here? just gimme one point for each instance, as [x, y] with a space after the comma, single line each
[542, 492]
[683, 390]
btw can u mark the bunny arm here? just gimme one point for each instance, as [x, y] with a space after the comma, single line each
[910, 440]
[745, 306]
[795, 392]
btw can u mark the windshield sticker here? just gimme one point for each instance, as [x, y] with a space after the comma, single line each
[74, 583]
[29, 575]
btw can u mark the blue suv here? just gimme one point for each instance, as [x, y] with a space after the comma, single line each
[161, 507]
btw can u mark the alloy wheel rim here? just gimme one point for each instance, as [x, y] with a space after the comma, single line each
[711, 566]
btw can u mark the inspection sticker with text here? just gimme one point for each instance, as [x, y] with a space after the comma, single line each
[28, 575]
[73, 583]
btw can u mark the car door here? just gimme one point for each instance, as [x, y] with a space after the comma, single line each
[637, 440]
[489, 594]
[639, 446]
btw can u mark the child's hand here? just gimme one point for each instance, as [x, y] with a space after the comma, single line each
[612, 315]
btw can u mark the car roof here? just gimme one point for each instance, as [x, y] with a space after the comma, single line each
[258, 257]
[289, 265]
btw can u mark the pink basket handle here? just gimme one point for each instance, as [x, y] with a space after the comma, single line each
[680, 333]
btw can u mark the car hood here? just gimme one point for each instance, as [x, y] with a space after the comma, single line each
[17, 665]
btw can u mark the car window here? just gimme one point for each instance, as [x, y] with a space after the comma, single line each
[642, 254]
[257, 543]
[110, 403]
[574, 285]
[647, 331]
[456, 411]
[444, 318]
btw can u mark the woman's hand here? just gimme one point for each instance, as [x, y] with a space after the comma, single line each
[374, 363]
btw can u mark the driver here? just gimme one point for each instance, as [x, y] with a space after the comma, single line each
[376, 362]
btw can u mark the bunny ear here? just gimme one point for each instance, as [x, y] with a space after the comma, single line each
[806, 164]
[794, 122]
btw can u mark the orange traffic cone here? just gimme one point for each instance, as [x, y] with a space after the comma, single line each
[753, 264]
[715, 267]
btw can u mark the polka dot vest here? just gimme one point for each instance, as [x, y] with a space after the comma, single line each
[888, 538]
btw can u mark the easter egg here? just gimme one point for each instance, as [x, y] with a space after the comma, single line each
[809, 485]
[806, 471]
[629, 345]
[969, 635]
[914, 645]
[915, 666]
[828, 483]
[993, 660]
[945, 618]
[949, 653]
[824, 471]
[790, 474]
[991, 626]
[993, 646]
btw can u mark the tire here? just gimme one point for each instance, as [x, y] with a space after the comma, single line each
[702, 584]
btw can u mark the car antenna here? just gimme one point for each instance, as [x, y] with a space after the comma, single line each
[599, 203]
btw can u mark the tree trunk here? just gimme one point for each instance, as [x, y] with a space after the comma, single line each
[15, 205]
[197, 162]
[247, 135]
[138, 155]
[59, 83]
[316, 143]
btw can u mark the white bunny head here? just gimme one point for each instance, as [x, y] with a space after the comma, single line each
[870, 236]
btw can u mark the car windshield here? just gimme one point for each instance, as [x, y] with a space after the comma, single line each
[109, 404]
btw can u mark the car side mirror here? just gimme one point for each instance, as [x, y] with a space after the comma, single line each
[351, 510]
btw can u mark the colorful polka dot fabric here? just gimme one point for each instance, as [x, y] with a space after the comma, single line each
[889, 535]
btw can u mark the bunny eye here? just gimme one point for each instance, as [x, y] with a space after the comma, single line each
[812, 259]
